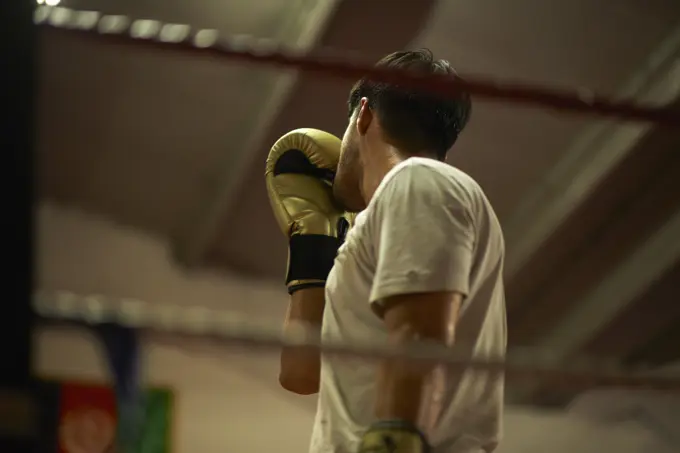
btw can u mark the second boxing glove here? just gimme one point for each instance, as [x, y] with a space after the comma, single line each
[299, 173]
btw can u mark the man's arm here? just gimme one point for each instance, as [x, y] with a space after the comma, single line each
[424, 237]
[429, 317]
[298, 172]
[300, 367]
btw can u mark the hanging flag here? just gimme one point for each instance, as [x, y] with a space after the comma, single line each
[82, 418]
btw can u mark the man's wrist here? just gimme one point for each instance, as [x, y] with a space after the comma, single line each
[310, 259]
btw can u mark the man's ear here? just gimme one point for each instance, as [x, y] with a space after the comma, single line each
[364, 117]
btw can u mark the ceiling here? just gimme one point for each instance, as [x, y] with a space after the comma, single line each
[174, 145]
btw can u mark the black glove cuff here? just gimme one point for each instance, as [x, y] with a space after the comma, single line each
[311, 257]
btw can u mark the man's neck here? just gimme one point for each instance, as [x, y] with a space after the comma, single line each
[375, 170]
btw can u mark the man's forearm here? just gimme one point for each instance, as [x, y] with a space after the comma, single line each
[300, 367]
[429, 317]
[401, 386]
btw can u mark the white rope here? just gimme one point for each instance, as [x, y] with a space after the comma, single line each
[232, 328]
[115, 24]
[155, 34]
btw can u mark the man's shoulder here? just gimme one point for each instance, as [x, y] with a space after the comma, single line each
[437, 169]
[431, 169]
[429, 175]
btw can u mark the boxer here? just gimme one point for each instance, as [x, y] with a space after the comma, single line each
[422, 262]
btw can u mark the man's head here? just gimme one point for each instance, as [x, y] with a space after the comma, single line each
[413, 122]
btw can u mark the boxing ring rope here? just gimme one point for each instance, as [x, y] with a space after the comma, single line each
[123, 30]
[233, 329]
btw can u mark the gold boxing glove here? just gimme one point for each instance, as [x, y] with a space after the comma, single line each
[393, 436]
[299, 173]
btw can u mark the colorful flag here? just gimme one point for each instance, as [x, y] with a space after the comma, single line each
[81, 418]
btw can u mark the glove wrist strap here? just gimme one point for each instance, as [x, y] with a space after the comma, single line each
[310, 259]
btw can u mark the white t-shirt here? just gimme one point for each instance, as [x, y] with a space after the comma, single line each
[429, 227]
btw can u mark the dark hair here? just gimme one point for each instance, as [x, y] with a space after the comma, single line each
[415, 120]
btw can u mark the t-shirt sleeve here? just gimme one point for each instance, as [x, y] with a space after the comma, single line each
[423, 233]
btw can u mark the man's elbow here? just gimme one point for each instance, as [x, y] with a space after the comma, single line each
[299, 373]
[299, 384]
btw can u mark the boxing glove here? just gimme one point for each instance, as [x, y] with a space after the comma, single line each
[299, 173]
[393, 436]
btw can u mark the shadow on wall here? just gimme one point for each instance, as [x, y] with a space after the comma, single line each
[527, 431]
[85, 254]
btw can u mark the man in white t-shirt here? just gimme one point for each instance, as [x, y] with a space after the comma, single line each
[423, 262]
